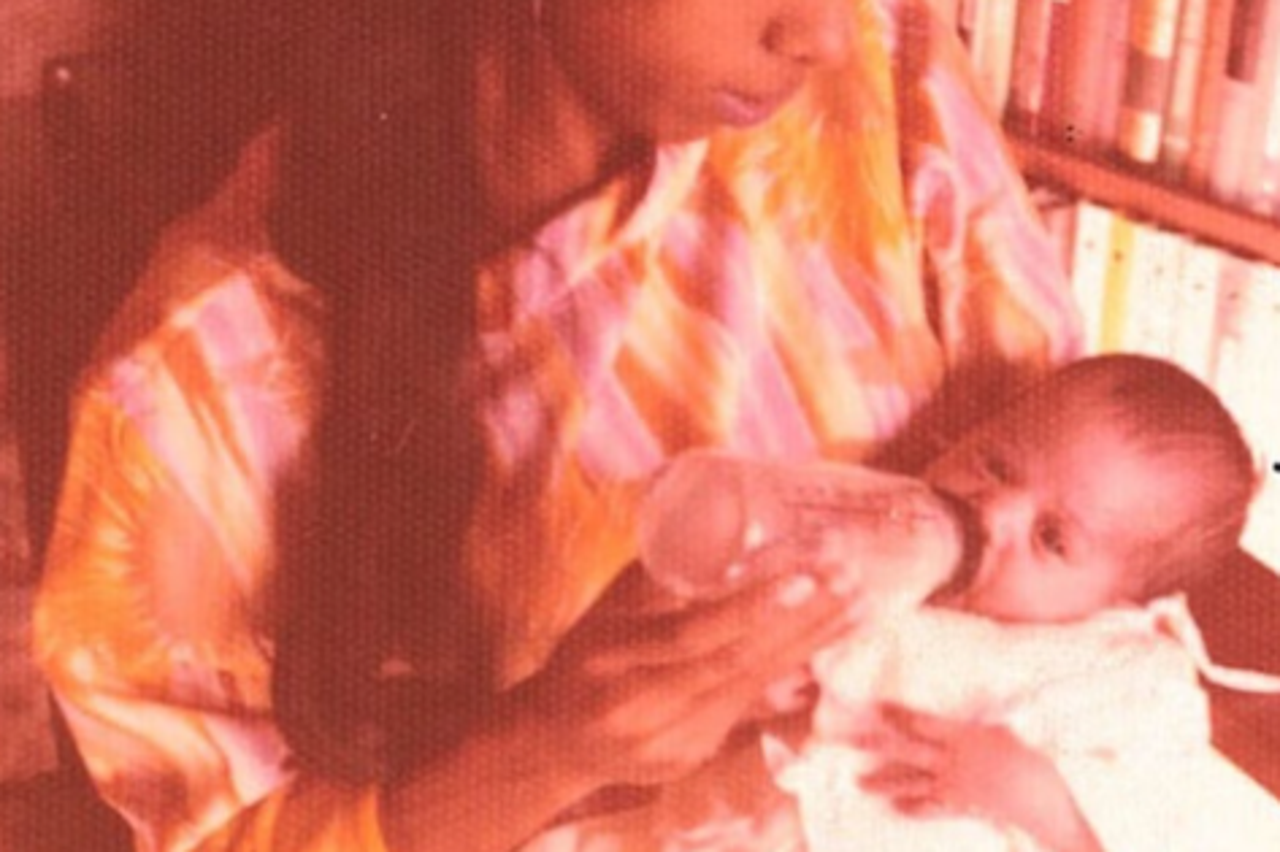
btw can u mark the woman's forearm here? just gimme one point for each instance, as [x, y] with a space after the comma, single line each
[633, 697]
[491, 794]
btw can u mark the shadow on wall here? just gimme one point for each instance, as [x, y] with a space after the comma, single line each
[115, 115]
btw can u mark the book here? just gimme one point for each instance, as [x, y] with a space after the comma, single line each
[1031, 64]
[1258, 325]
[1175, 144]
[1090, 260]
[991, 49]
[1135, 309]
[1195, 309]
[1262, 347]
[1247, 376]
[1150, 301]
[1208, 100]
[1259, 332]
[1079, 42]
[1238, 102]
[1153, 27]
[1228, 370]
[1261, 182]
[1104, 126]
[1090, 264]
[1050, 123]
[1091, 251]
[1264, 198]
[1115, 295]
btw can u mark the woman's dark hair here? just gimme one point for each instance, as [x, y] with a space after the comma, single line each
[377, 207]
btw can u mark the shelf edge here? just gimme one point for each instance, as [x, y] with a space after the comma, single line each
[1175, 208]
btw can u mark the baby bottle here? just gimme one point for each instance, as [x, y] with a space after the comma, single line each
[712, 522]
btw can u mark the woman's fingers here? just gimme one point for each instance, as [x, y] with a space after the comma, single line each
[769, 625]
[689, 708]
[642, 689]
[784, 641]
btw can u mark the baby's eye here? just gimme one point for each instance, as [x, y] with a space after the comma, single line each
[1051, 538]
[993, 467]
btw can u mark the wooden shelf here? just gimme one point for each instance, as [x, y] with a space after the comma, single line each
[1140, 193]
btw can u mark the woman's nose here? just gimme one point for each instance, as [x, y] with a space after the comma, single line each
[812, 32]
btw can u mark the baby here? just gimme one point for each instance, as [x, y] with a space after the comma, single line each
[1050, 699]
[1054, 698]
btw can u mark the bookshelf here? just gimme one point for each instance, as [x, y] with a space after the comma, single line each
[1110, 99]
[1141, 193]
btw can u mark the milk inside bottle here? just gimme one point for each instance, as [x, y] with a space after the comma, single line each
[712, 522]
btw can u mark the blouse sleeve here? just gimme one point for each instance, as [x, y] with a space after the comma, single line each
[999, 293]
[150, 623]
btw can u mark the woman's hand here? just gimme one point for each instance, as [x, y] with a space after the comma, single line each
[646, 688]
[934, 765]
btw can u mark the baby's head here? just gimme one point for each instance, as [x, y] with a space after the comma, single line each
[1116, 479]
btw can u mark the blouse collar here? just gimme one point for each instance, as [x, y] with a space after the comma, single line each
[573, 245]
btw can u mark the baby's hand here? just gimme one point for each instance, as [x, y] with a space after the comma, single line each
[930, 765]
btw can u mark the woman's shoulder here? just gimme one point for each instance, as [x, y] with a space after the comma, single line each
[213, 285]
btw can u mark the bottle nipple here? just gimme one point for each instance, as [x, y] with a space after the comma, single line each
[965, 520]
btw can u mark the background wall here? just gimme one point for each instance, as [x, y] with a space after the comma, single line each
[185, 82]
[31, 31]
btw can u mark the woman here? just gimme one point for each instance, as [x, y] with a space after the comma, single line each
[357, 463]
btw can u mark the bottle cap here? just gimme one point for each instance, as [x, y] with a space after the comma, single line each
[692, 526]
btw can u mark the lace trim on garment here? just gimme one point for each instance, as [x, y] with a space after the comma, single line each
[1172, 617]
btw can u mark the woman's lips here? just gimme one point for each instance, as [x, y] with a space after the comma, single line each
[741, 109]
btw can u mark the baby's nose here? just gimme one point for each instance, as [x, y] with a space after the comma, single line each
[1005, 516]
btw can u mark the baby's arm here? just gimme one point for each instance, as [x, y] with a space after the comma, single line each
[930, 764]
[1113, 707]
